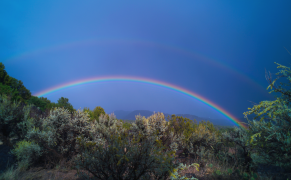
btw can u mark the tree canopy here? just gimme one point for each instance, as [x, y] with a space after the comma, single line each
[18, 91]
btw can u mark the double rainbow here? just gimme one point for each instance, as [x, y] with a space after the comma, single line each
[103, 42]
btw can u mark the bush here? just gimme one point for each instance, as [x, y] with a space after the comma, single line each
[108, 125]
[240, 137]
[271, 134]
[156, 126]
[138, 161]
[202, 141]
[56, 135]
[14, 120]
[27, 151]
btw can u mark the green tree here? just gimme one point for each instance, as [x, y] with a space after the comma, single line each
[180, 125]
[5, 79]
[42, 102]
[3, 73]
[97, 111]
[18, 85]
[64, 102]
[271, 134]
[37, 102]
[13, 94]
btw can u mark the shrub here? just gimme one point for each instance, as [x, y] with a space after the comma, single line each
[27, 151]
[181, 127]
[240, 137]
[271, 134]
[202, 141]
[57, 134]
[139, 160]
[14, 119]
[156, 126]
[108, 125]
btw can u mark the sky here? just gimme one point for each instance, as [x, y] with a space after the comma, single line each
[216, 51]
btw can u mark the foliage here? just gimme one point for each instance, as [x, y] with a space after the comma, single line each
[5, 79]
[27, 151]
[272, 137]
[24, 93]
[94, 115]
[181, 126]
[108, 125]
[97, 111]
[37, 102]
[225, 129]
[49, 105]
[176, 176]
[202, 141]
[156, 126]
[240, 137]
[89, 112]
[12, 94]
[14, 119]
[64, 102]
[138, 161]
[126, 125]
[244, 175]
[56, 134]
[43, 103]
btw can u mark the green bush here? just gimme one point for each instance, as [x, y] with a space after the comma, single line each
[271, 134]
[202, 141]
[56, 134]
[240, 137]
[156, 126]
[139, 161]
[14, 120]
[27, 151]
[11, 93]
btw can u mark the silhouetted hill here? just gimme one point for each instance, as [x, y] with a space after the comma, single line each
[120, 114]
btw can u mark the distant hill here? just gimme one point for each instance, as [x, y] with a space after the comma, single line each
[130, 116]
[120, 114]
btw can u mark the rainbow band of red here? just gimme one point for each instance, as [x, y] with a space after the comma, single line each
[148, 81]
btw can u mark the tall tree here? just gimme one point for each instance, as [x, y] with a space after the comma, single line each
[64, 102]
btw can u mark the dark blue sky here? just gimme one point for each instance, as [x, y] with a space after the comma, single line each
[217, 49]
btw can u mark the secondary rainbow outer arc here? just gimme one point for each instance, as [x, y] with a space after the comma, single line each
[149, 81]
[143, 42]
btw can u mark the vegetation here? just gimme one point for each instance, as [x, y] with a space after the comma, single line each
[272, 138]
[94, 144]
[13, 87]
[94, 115]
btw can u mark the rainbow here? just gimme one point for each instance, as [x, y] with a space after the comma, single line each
[147, 81]
[89, 42]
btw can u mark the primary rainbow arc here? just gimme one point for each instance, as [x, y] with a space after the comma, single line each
[148, 81]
